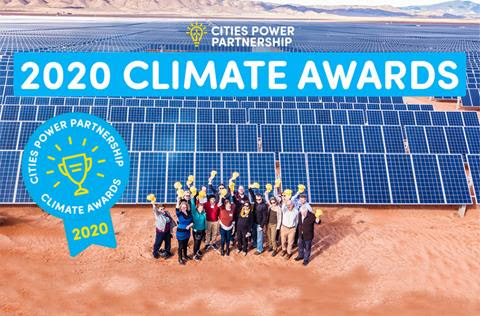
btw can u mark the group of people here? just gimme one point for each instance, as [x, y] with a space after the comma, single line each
[239, 217]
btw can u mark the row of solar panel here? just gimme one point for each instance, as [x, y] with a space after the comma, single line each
[471, 98]
[210, 104]
[330, 178]
[378, 179]
[241, 116]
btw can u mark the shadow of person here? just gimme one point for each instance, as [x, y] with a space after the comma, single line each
[332, 230]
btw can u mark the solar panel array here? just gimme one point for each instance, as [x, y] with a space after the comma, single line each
[347, 150]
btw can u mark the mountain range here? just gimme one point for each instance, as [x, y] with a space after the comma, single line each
[456, 9]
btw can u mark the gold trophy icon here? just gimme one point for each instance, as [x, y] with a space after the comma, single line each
[76, 168]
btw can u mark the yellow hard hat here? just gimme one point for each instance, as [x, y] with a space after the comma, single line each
[287, 192]
[201, 195]
[151, 197]
[255, 185]
[190, 179]
[268, 187]
[235, 175]
[301, 188]
[278, 182]
[193, 190]
[223, 192]
[180, 193]
[318, 212]
[177, 185]
[213, 173]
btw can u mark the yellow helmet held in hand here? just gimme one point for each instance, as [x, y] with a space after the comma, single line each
[287, 193]
[180, 193]
[278, 183]
[318, 212]
[255, 185]
[177, 185]
[202, 195]
[151, 197]
[213, 173]
[301, 188]
[193, 190]
[231, 186]
[223, 192]
[190, 179]
[235, 175]
[268, 187]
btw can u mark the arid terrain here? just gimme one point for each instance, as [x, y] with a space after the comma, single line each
[402, 261]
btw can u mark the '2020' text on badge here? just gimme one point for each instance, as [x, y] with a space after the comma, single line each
[75, 167]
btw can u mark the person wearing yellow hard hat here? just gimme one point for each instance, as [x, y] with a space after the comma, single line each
[164, 225]
[306, 232]
[260, 210]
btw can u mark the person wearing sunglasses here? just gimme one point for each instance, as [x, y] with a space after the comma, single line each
[274, 222]
[164, 225]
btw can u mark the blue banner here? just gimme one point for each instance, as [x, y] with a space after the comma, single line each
[239, 74]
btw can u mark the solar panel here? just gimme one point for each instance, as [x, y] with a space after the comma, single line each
[130, 193]
[454, 178]
[439, 118]
[289, 116]
[454, 118]
[473, 139]
[226, 138]
[349, 181]
[375, 179]
[187, 115]
[274, 117]
[356, 117]
[143, 137]
[339, 117]
[257, 116]
[374, 118]
[457, 143]
[171, 115]
[402, 181]
[184, 137]
[10, 112]
[471, 118]
[204, 164]
[9, 164]
[423, 118]
[428, 180]
[305, 116]
[262, 168]
[353, 139]
[291, 138]
[136, 114]
[221, 116]
[293, 170]
[164, 138]
[332, 138]
[393, 137]
[153, 175]
[474, 167]
[247, 138]
[437, 142]
[312, 138]
[417, 141]
[271, 138]
[373, 139]
[9, 134]
[238, 116]
[322, 178]
[390, 118]
[407, 118]
[323, 116]
[235, 162]
[206, 137]
[118, 114]
[204, 116]
[179, 167]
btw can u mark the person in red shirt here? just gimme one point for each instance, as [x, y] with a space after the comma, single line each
[212, 210]
[227, 222]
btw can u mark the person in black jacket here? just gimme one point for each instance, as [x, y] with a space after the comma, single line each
[260, 215]
[244, 226]
[306, 222]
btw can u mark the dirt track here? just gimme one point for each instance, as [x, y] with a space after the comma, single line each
[396, 262]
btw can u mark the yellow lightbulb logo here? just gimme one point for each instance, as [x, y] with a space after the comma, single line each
[196, 31]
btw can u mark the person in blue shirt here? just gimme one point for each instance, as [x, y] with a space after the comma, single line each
[185, 222]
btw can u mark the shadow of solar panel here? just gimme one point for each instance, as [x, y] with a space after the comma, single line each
[457, 143]
[348, 177]
[235, 162]
[204, 164]
[291, 138]
[143, 135]
[402, 182]
[152, 178]
[321, 178]
[179, 167]
[375, 179]
[454, 179]
[437, 142]
[332, 138]
[271, 138]
[9, 167]
[428, 181]
[262, 168]
[393, 137]
[206, 137]
[226, 138]
[130, 193]
[353, 139]
[373, 139]
[312, 138]
[293, 170]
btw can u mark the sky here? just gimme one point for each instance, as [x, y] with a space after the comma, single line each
[396, 3]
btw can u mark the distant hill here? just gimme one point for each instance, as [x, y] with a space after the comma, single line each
[457, 9]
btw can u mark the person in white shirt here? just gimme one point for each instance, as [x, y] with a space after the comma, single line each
[289, 226]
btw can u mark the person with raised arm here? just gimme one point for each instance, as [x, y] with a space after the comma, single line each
[185, 222]
[274, 220]
[164, 225]
[244, 227]
[306, 232]
[227, 222]
[289, 226]
[260, 210]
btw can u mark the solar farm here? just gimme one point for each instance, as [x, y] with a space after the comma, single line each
[346, 150]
